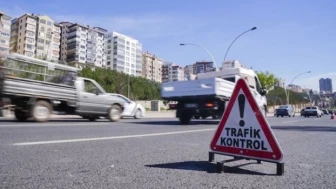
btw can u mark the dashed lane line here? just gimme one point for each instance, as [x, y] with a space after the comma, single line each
[108, 138]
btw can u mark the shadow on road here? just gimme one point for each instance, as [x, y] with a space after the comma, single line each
[206, 167]
[306, 128]
[53, 120]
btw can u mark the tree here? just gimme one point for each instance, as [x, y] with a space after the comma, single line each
[267, 79]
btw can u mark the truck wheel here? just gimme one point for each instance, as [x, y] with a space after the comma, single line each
[197, 117]
[114, 113]
[215, 117]
[185, 119]
[20, 115]
[41, 111]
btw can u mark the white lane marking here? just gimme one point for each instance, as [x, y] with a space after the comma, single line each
[108, 138]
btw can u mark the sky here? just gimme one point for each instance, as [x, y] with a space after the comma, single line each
[292, 36]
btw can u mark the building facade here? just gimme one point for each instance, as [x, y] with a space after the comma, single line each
[189, 69]
[5, 28]
[172, 72]
[124, 54]
[326, 86]
[295, 88]
[83, 45]
[203, 67]
[36, 36]
[152, 67]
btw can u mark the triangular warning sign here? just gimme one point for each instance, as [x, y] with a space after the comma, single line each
[244, 130]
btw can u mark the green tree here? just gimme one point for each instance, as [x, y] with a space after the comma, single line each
[267, 79]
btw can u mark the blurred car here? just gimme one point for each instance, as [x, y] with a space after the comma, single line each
[285, 110]
[312, 111]
[302, 112]
[131, 108]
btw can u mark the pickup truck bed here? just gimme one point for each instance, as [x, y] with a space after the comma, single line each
[31, 88]
[173, 91]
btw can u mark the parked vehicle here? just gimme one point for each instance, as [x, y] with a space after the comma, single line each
[285, 110]
[208, 93]
[40, 88]
[131, 108]
[312, 111]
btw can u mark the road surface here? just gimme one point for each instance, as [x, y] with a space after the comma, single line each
[157, 153]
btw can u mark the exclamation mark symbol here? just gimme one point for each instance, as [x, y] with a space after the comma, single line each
[241, 104]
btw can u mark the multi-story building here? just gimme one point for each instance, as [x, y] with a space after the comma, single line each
[232, 64]
[189, 69]
[5, 27]
[152, 67]
[36, 36]
[203, 67]
[295, 88]
[83, 45]
[124, 54]
[172, 72]
[326, 86]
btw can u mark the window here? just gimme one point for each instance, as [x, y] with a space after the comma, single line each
[49, 23]
[40, 47]
[30, 40]
[40, 40]
[3, 41]
[82, 46]
[258, 87]
[89, 87]
[81, 58]
[42, 29]
[30, 47]
[127, 48]
[42, 21]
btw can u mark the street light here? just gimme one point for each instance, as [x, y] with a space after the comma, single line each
[254, 28]
[292, 83]
[213, 60]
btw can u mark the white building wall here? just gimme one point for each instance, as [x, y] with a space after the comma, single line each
[124, 54]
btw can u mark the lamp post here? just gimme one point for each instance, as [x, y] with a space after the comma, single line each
[293, 81]
[254, 28]
[213, 60]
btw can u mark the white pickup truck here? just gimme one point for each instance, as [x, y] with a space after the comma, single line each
[208, 93]
[40, 88]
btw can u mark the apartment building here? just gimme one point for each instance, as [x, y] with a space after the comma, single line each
[83, 45]
[203, 67]
[326, 86]
[189, 69]
[123, 54]
[36, 36]
[5, 25]
[152, 67]
[172, 72]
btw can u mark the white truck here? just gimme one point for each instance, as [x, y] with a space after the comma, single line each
[39, 88]
[208, 93]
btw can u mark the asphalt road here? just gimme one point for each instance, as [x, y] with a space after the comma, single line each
[157, 153]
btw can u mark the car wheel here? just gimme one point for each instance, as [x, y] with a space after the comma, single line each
[114, 113]
[137, 114]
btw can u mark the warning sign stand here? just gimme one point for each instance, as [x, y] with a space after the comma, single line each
[244, 133]
[280, 166]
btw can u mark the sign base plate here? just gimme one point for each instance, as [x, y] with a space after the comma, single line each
[280, 166]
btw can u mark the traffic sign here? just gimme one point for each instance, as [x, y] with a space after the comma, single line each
[244, 130]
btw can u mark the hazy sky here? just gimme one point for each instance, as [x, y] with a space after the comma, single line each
[293, 36]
